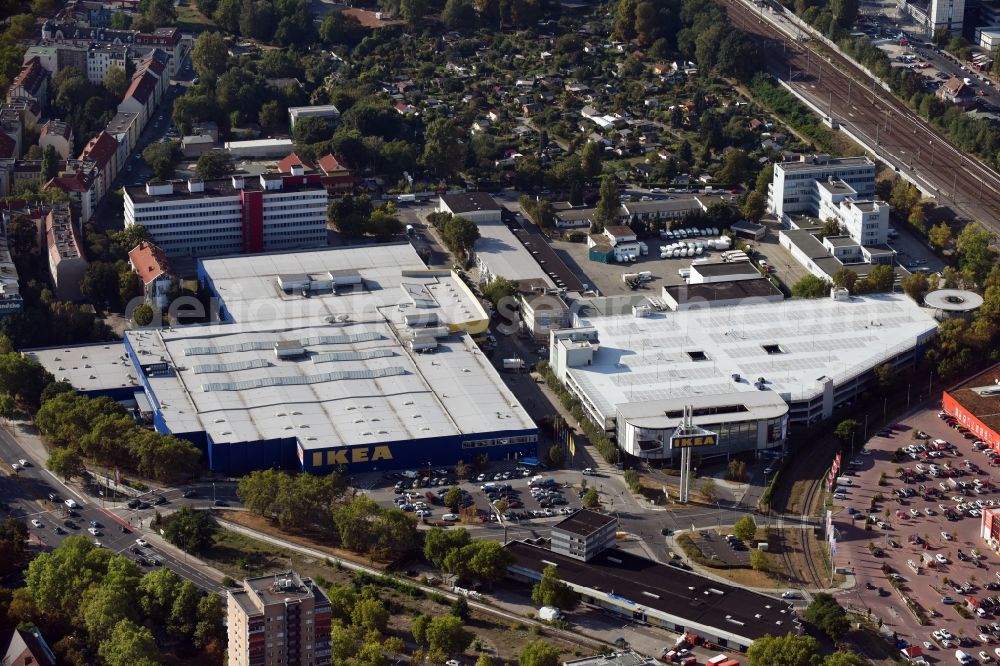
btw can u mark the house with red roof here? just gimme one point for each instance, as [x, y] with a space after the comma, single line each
[80, 181]
[150, 263]
[140, 98]
[336, 176]
[31, 83]
[25, 648]
[102, 151]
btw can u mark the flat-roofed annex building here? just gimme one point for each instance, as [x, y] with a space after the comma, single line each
[747, 370]
[584, 534]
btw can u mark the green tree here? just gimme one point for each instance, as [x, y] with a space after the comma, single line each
[787, 650]
[917, 218]
[13, 545]
[312, 129]
[556, 455]
[484, 660]
[129, 285]
[830, 227]
[67, 463]
[349, 214]
[438, 543]
[210, 629]
[841, 658]
[190, 530]
[370, 615]
[498, 289]
[759, 560]
[811, 286]
[745, 529]
[394, 533]
[383, 224]
[460, 235]
[143, 315]
[880, 278]
[22, 234]
[115, 82]
[828, 616]
[100, 283]
[214, 164]
[128, 644]
[162, 158]
[538, 653]
[846, 430]
[975, 256]
[551, 591]
[708, 489]
[353, 521]
[485, 560]
[271, 115]
[419, 629]
[446, 633]
[754, 207]
[50, 163]
[183, 616]
[939, 235]
[916, 286]
[590, 160]
[453, 498]
[608, 205]
[591, 499]
[736, 169]
[845, 278]
[445, 147]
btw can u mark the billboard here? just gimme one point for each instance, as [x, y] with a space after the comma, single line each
[687, 438]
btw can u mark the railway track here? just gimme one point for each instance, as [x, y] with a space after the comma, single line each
[834, 84]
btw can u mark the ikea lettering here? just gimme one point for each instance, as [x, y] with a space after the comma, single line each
[361, 454]
[689, 441]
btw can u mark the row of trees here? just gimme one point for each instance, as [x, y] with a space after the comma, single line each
[454, 552]
[880, 278]
[305, 501]
[458, 233]
[293, 501]
[101, 430]
[97, 607]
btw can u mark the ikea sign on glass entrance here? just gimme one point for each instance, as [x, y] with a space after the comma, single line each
[690, 440]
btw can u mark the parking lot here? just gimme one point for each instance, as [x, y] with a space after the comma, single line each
[524, 494]
[924, 532]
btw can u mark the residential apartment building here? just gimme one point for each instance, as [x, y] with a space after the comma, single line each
[102, 57]
[31, 83]
[202, 218]
[279, 620]
[67, 262]
[59, 135]
[794, 188]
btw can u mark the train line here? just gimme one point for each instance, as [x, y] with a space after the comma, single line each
[882, 121]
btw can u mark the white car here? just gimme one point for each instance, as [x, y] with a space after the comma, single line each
[947, 537]
[142, 543]
[423, 513]
[789, 595]
[984, 656]
[947, 635]
[15, 466]
[36, 522]
[914, 513]
[929, 511]
[24, 463]
[94, 531]
[941, 558]
[450, 517]
[996, 651]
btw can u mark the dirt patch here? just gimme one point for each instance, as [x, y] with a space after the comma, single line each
[369, 19]
[308, 539]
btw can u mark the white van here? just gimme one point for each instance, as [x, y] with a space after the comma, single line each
[962, 657]
[844, 481]
[70, 503]
[409, 474]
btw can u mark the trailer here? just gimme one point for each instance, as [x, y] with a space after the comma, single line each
[513, 364]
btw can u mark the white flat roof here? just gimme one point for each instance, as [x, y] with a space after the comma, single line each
[394, 279]
[357, 382]
[506, 256]
[88, 367]
[648, 359]
[366, 389]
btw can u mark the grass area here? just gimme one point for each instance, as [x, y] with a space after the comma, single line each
[190, 19]
[239, 556]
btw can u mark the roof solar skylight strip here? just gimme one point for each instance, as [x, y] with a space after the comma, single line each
[300, 380]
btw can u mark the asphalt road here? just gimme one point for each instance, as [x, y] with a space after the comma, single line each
[26, 494]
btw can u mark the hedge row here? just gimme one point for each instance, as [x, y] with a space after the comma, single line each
[595, 435]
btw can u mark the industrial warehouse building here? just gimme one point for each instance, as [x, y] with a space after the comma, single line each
[645, 591]
[975, 403]
[748, 370]
[358, 358]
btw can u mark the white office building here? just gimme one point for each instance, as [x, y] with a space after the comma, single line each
[866, 220]
[232, 215]
[794, 187]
